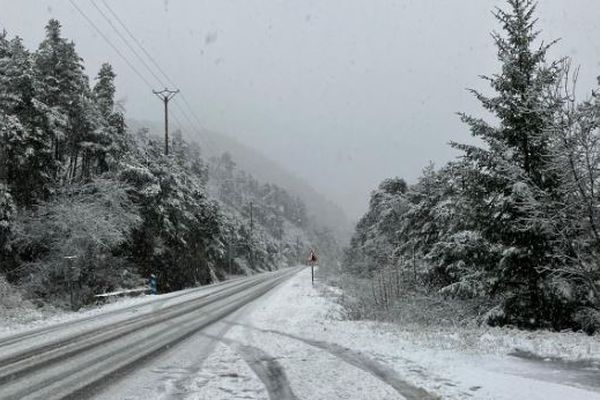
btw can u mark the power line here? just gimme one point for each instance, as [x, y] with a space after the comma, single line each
[185, 114]
[140, 45]
[116, 49]
[192, 111]
[152, 60]
[133, 50]
[107, 40]
[194, 121]
[177, 122]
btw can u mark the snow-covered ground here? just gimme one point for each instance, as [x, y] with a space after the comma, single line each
[292, 344]
[293, 341]
[28, 317]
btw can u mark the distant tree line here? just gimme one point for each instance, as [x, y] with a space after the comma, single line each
[272, 204]
[514, 222]
[86, 205]
[276, 223]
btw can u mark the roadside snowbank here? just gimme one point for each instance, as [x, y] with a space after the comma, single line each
[23, 318]
[26, 317]
[324, 357]
[567, 346]
[16, 317]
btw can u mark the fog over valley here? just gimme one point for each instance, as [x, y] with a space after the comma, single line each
[341, 94]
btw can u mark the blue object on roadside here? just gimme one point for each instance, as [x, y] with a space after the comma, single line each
[152, 284]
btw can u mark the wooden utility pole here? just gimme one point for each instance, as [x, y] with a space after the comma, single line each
[230, 257]
[166, 95]
[298, 251]
[252, 234]
[73, 278]
[414, 263]
[4, 159]
[251, 218]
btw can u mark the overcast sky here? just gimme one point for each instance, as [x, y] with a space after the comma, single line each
[344, 93]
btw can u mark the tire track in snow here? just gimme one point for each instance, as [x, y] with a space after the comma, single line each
[373, 367]
[269, 371]
[379, 370]
[266, 367]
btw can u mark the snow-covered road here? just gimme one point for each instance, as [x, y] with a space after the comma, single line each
[291, 344]
[76, 358]
[295, 332]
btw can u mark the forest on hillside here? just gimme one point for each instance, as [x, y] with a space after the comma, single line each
[88, 206]
[511, 228]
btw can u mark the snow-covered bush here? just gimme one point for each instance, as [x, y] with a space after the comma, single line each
[9, 296]
[589, 319]
[74, 240]
[14, 307]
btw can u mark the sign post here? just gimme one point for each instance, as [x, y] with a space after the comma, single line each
[312, 259]
[74, 276]
[152, 284]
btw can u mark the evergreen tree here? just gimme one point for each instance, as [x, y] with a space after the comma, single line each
[501, 177]
[62, 86]
[111, 138]
[27, 165]
[377, 232]
[104, 90]
[428, 225]
[180, 237]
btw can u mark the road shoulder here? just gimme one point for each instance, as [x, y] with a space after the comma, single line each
[325, 357]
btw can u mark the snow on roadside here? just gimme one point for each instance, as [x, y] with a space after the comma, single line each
[23, 318]
[27, 318]
[329, 358]
[542, 344]
[567, 346]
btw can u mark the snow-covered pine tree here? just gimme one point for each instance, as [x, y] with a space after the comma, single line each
[180, 235]
[111, 138]
[428, 225]
[28, 165]
[511, 168]
[104, 89]
[378, 232]
[62, 86]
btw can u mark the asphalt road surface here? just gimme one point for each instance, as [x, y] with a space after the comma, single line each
[88, 357]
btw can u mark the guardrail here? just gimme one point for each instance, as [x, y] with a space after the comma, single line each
[122, 293]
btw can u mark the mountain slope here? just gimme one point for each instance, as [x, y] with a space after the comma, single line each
[213, 144]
